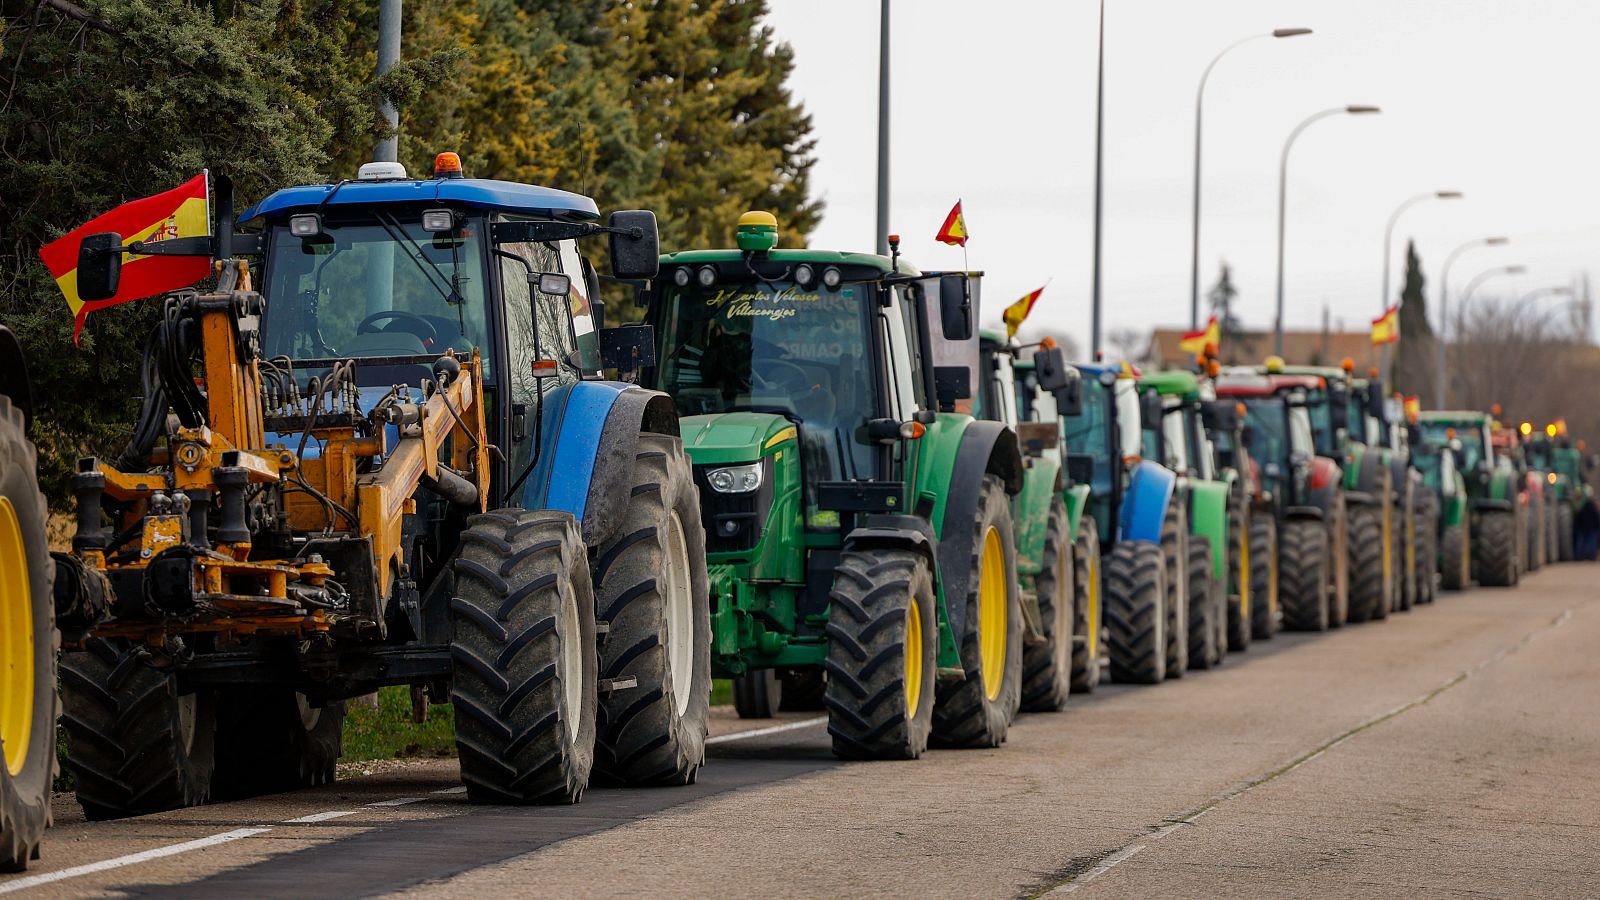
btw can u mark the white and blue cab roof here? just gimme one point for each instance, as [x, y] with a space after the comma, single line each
[387, 183]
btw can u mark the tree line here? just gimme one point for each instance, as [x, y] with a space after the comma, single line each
[679, 106]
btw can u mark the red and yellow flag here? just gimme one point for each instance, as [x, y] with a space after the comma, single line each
[1018, 311]
[1412, 405]
[954, 229]
[1207, 340]
[1386, 328]
[180, 212]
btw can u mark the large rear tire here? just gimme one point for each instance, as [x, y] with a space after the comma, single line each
[1088, 629]
[28, 643]
[134, 745]
[1455, 557]
[1564, 533]
[1533, 533]
[883, 635]
[1303, 559]
[651, 587]
[525, 658]
[1367, 569]
[1424, 547]
[1207, 610]
[272, 739]
[1498, 553]
[1265, 615]
[1174, 545]
[1239, 581]
[977, 711]
[1047, 667]
[1136, 615]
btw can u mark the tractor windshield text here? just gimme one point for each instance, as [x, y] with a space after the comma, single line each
[776, 347]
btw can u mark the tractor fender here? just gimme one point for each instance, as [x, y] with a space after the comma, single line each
[591, 435]
[884, 531]
[986, 448]
[1077, 500]
[1208, 518]
[14, 375]
[1491, 503]
[1144, 505]
[1326, 480]
[1304, 513]
[1400, 472]
[1030, 512]
[1369, 465]
[1361, 498]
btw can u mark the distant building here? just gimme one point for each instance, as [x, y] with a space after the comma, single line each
[1315, 348]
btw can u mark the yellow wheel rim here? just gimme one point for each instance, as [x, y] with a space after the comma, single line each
[992, 618]
[1244, 577]
[16, 642]
[1092, 614]
[913, 658]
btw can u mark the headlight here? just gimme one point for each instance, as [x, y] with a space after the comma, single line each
[735, 479]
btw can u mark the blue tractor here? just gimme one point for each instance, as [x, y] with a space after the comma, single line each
[1142, 523]
[384, 452]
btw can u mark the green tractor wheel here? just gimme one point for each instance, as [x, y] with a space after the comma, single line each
[1367, 551]
[1239, 577]
[1088, 645]
[883, 635]
[1206, 608]
[28, 642]
[1304, 559]
[1136, 615]
[525, 658]
[1499, 555]
[1047, 667]
[977, 711]
[1174, 536]
[1264, 576]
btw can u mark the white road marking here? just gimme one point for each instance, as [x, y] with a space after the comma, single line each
[759, 732]
[458, 789]
[130, 859]
[1105, 866]
[320, 817]
[398, 801]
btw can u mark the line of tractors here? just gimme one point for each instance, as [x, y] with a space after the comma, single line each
[379, 447]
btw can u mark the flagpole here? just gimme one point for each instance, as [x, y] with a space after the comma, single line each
[1099, 144]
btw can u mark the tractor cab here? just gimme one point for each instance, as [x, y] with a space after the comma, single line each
[1279, 423]
[1106, 441]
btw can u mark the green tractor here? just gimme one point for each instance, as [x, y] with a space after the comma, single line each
[28, 638]
[1494, 495]
[1510, 452]
[1252, 526]
[858, 526]
[1448, 505]
[1555, 454]
[1056, 601]
[1540, 451]
[1177, 439]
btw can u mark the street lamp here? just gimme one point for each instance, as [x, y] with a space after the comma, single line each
[1556, 290]
[1388, 245]
[1283, 183]
[1444, 310]
[1466, 295]
[1199, 107]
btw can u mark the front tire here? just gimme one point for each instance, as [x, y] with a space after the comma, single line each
[883, 634]
[1047, 668]
[1367, 569]
[1303, 559]
[651, 587]
[1455, 557]
[1088, 647]
[1174, 537]
[1136, 615]
[1264, 577]
[1498, 552]
[977, 711]
[757, 694]
[525, 659]
[1239, 581]
[272, 739]
[1206, 612]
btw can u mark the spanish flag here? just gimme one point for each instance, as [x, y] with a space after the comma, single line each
[1386, 328]
[1207, 340]
[1018, 311]
[1413, 407]
[954, 229]
[180, 212]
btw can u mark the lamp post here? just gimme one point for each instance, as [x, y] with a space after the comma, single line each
[1099, 184]
[1199, 108]
[1556, 290]
[1283, 183]
[1388, 245]
[1444, 310]
[883, 130]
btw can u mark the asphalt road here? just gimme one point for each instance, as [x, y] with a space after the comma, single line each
[1449, 751]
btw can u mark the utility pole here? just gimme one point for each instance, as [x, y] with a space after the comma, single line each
[883, 130]
[1099, 181]
[388, 148]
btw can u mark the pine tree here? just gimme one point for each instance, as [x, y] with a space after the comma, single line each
[1413, 371]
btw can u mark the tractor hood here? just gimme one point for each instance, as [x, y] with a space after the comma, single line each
[734, 437]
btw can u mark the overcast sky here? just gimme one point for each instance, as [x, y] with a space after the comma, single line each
[993, 102]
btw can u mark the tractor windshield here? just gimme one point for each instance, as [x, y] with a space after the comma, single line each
[1327, 443]
[375, 285]
[772, 346]
[1269, 435]
[1089, 434]
[1470, 437]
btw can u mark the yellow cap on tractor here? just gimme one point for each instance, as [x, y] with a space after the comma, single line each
[757, 232]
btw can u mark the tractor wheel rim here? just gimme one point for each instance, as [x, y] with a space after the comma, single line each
[309, 715]
[1244, 575]
[188, 708]
[1092, 615]
[1066, 617]
[680, 615]
[571, 664]
[913, 652]
[992, 617]
[16, 642]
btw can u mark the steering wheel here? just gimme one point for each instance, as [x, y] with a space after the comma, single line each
[430, 338]
[788, 378]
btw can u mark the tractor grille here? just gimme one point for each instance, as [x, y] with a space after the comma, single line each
[733, 522]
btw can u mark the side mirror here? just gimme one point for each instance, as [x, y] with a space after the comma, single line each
[1150, 411]
[1219, 415]
[554, 284]
[955, 308]
[635, 244]
[1059, 379]
[99, 266]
